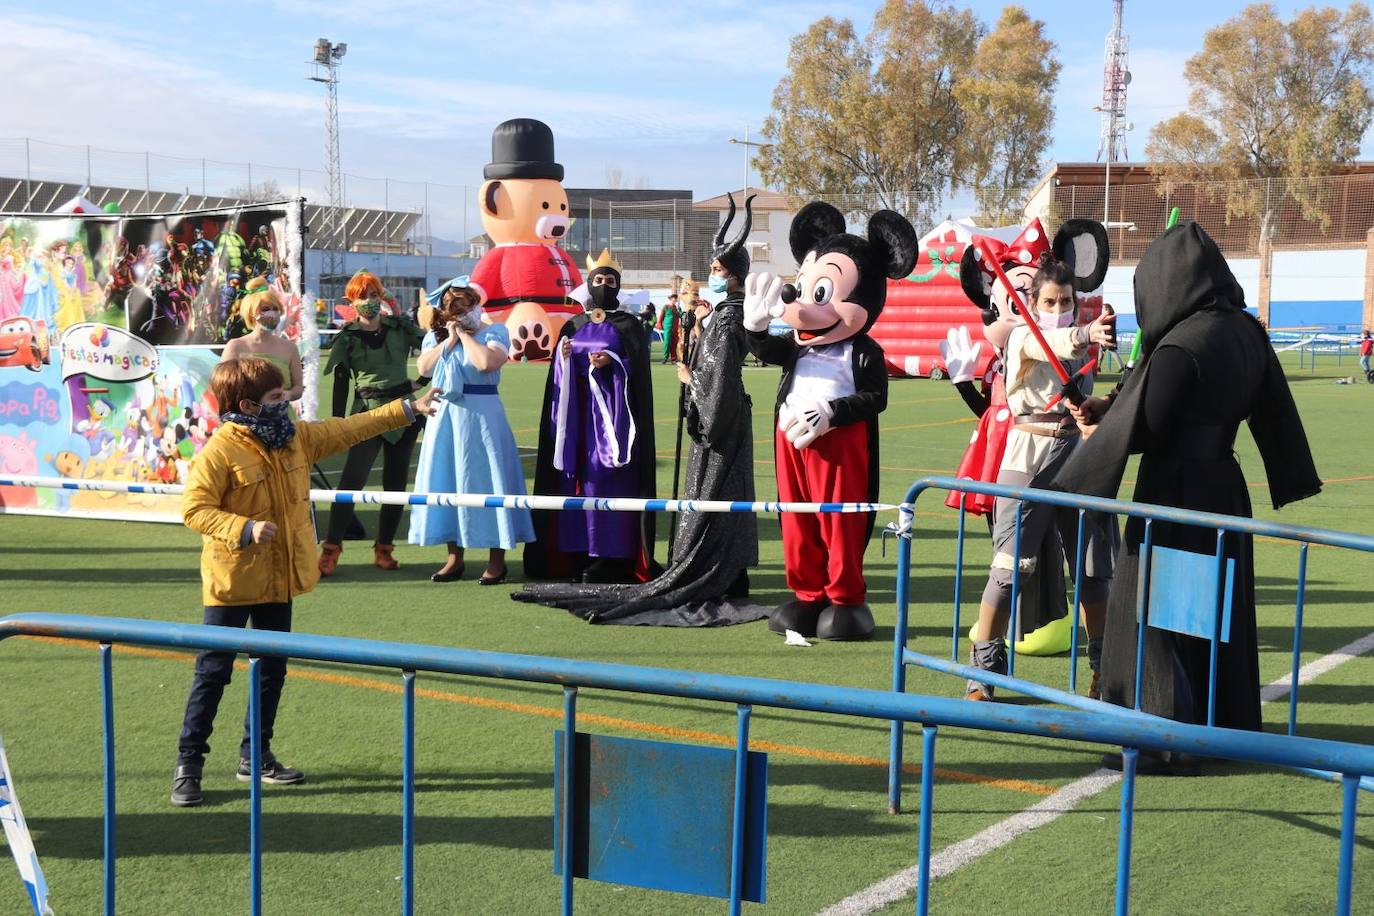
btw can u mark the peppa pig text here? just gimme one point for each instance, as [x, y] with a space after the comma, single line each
[22, 404]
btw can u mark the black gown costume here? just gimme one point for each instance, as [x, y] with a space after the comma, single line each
[542, 557]
[710, 550]
[1207, 365]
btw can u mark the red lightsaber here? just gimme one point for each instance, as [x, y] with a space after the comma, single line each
[1081, 373]
[1015, 298]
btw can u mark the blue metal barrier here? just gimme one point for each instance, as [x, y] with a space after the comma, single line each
[1223, 524]
[1352, 761]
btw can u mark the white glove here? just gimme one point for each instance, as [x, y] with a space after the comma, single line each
[762, 301]
[960, 354]
[805, 423]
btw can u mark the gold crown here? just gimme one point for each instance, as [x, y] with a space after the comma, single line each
[604, 261]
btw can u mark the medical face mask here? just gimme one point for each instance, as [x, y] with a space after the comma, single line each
[1051, 321]
[718, 284]
[470, 320]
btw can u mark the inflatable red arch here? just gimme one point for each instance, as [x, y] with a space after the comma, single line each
[922, 308]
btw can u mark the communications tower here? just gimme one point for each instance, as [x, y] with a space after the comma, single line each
[329, 234]
[1116, 76]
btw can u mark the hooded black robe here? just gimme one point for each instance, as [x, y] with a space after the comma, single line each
[543, 558]
[711, 550]
[1207, 365]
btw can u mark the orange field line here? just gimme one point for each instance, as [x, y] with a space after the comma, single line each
[546, 712]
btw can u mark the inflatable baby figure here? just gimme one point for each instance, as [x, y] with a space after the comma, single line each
[526, 278]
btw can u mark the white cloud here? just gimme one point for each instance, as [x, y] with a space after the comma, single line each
[81, 83]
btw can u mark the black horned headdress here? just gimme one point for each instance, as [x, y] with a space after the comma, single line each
[733, 255]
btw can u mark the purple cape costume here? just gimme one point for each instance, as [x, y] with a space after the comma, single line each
[596, 439]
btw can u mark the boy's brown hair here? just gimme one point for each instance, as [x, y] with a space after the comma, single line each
[248, 378]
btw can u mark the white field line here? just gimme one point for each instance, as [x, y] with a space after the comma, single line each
[903, 883]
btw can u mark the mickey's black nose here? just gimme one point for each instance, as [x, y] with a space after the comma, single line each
[790, 293]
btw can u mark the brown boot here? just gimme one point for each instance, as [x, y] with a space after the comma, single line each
[382, 558]
[1095, 688]
[329, 558]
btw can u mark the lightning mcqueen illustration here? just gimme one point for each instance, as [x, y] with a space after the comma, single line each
[24, 342]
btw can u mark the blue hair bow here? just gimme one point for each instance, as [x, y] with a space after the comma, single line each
[433, 296]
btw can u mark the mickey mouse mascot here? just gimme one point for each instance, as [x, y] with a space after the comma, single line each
[834, 385]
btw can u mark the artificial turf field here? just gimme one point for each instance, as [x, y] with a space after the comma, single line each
[1239, 839]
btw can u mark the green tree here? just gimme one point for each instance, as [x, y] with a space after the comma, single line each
[1008, 109]
[927, 102]
[1271, 100]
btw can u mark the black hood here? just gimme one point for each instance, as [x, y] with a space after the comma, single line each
[1180, 274]
[1183, 286]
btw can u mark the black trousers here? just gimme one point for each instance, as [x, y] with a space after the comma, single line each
[395, 476]
[213, 671]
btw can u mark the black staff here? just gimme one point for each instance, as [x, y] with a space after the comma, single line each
[686, 320]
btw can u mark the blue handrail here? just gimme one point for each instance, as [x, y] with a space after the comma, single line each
[1222, 524]
[1239, 523]
[1130, 733]
[1258, 747]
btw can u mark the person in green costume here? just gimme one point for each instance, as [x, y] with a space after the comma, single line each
[670, 323]
[372, 355]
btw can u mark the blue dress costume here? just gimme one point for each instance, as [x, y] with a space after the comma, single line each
[469, 448]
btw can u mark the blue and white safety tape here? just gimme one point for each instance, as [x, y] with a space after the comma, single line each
[476, 500]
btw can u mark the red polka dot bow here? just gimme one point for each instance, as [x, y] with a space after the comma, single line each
[1025, 251]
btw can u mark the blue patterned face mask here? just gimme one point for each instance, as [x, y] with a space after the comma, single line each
[272, 425]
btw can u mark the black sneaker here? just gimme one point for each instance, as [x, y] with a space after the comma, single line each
[186, 786]
[273, 771]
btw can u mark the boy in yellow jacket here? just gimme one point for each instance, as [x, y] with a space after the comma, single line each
[249, 497]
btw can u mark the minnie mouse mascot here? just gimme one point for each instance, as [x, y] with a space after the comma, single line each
[834, 385]
[1080, 243]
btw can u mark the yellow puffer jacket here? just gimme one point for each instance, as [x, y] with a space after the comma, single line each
[236, 478]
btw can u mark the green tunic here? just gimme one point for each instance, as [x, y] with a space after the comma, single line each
[379, 362]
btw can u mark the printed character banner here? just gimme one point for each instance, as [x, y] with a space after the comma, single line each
[108, 334]
[172, 279]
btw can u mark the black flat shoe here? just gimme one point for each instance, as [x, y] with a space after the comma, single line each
[845, 623]
[492, 580]
[452, 576]
[797, 615]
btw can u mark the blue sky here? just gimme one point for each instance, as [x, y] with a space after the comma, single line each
[654, 89]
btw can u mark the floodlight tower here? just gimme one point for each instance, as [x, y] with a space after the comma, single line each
[324, 68]
[1116, 76]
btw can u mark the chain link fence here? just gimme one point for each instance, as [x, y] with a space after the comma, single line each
[657, 240]
[667, 237]
[37, 176]
[1329, 212]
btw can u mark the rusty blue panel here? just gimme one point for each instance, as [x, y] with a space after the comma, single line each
[1183, 593]
[658, 815]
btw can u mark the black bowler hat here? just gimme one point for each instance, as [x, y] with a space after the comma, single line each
[522, 148]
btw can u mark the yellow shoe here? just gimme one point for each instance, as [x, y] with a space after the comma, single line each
[1051, 639]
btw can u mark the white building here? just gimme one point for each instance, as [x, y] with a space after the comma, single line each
[768, 248]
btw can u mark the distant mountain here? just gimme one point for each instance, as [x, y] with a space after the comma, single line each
[442, 248]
